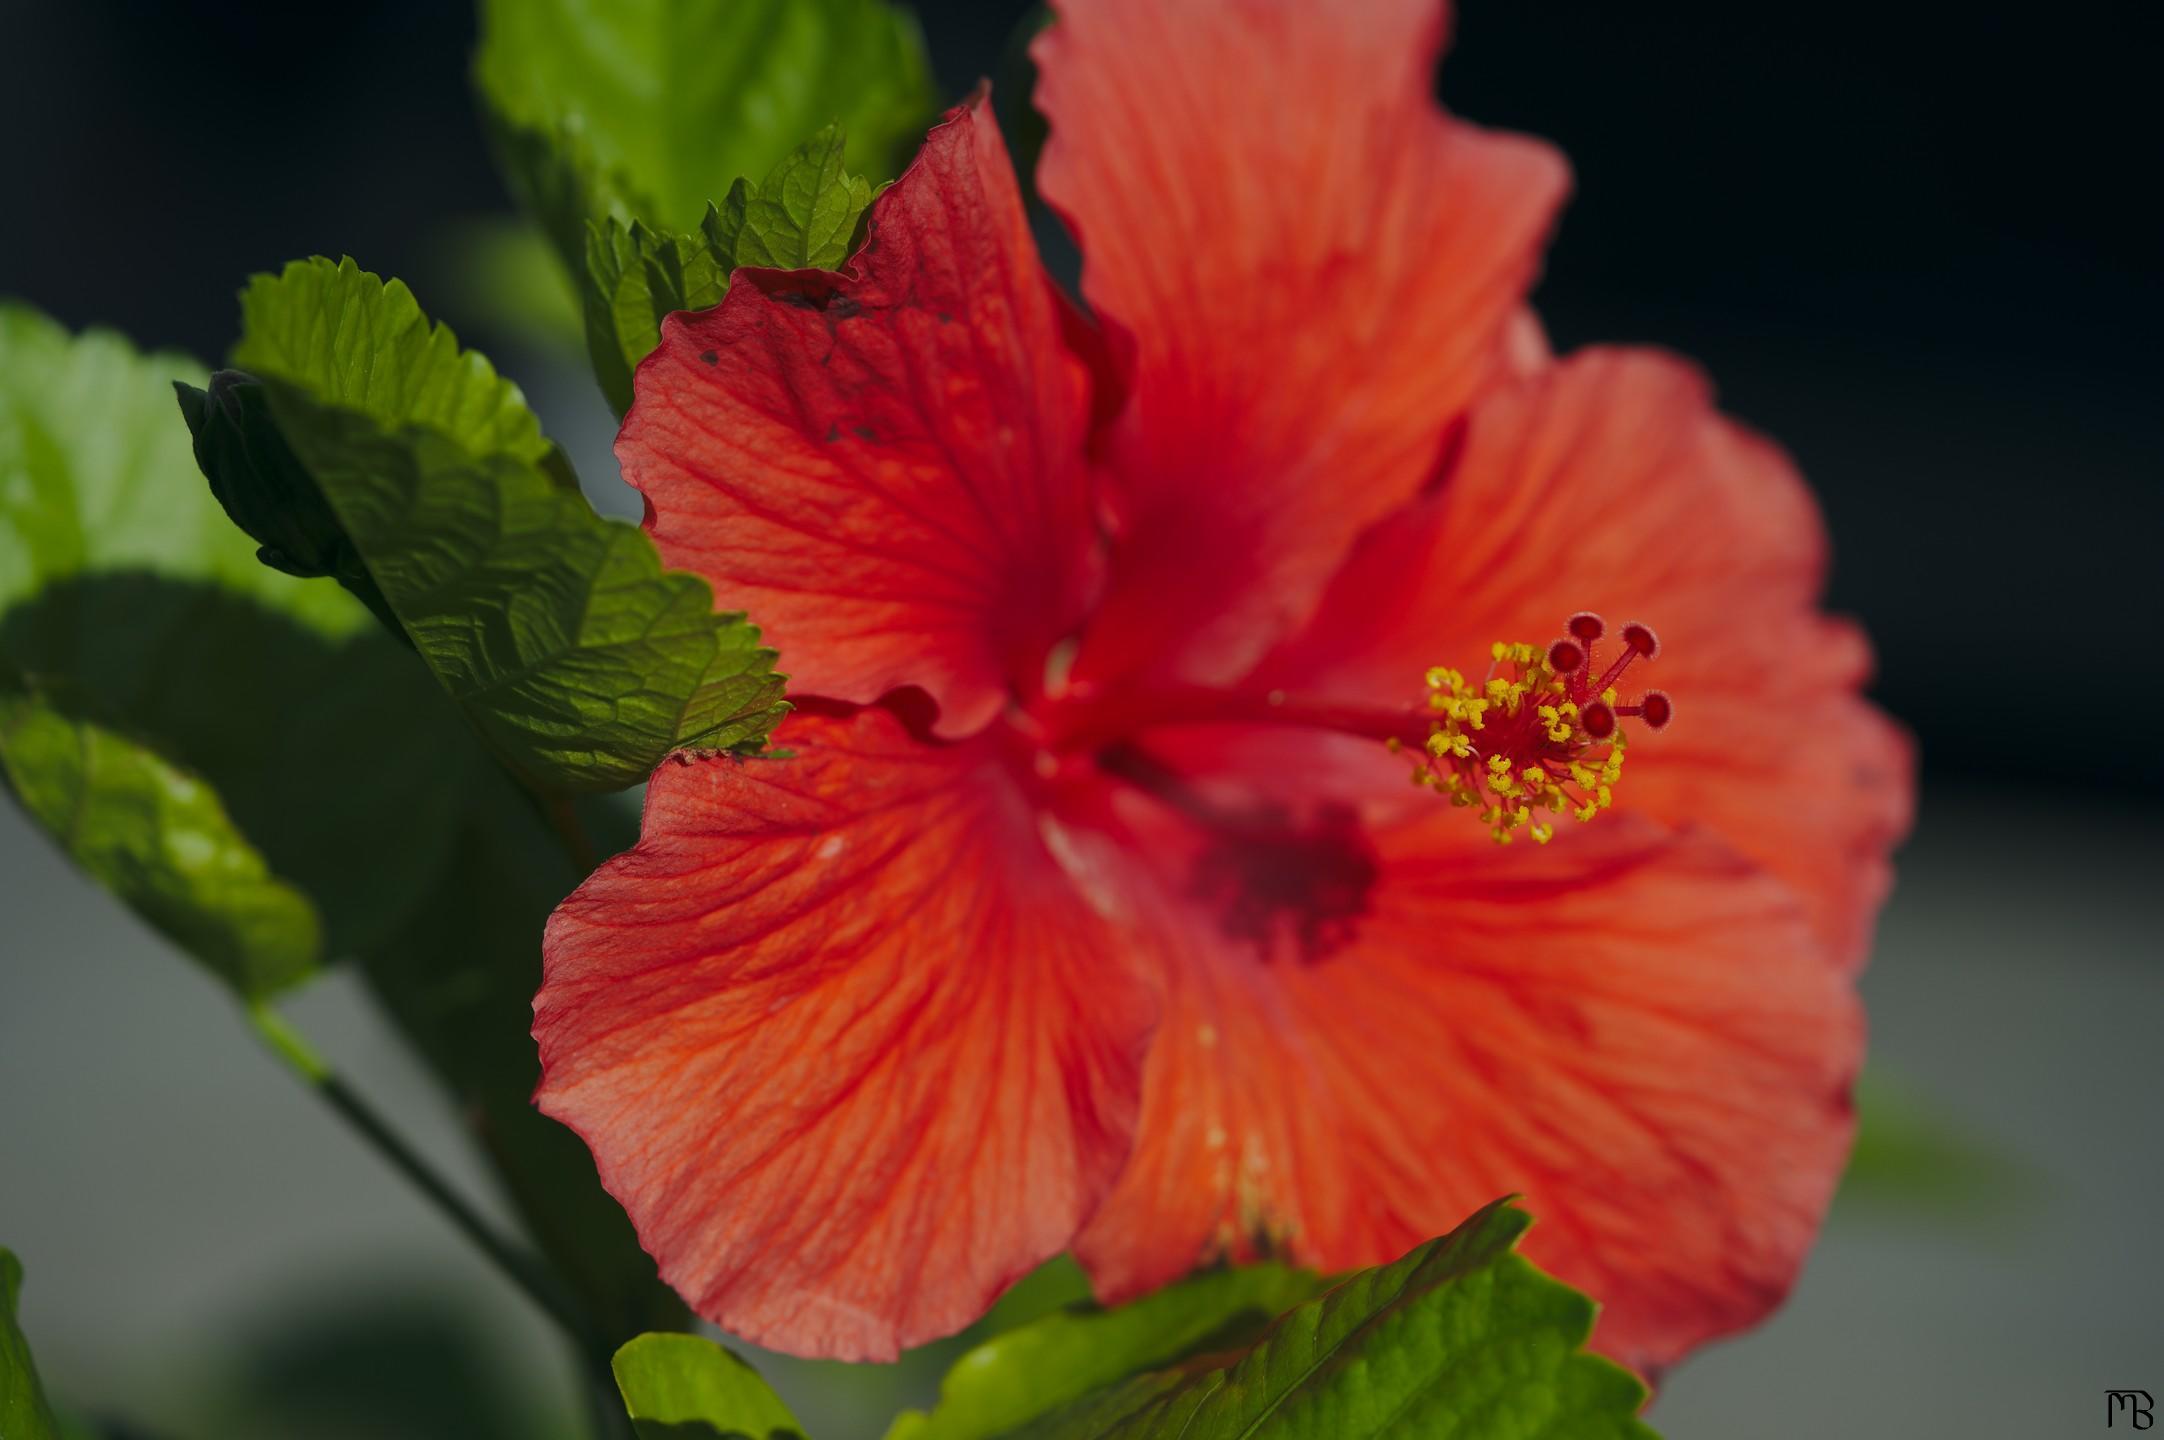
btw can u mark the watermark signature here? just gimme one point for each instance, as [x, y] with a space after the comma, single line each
[2135, 1404]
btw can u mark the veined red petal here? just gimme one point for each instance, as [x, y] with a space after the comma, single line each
[845, 1043]
[885, 468]
[1609, 483]
[1635, 1030]
[1317, 267]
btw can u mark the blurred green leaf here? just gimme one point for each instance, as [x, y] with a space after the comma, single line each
[172, 706]
[1460, 1337]
[1036, 1368]
[803, 215]
[685, 1387]
[97, 469]
[571, 652]
[369, 1353]
[648, 109]
[24, 1415]
[158, 838]
[499, 275]
[1912, 1159]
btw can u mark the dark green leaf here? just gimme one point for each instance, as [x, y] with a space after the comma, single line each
[558, 634]
[156, 676]
[648, 109]
[460, 980]
[803, 215]
[263, 489]
[24, 1415]
[684, 1387]
[1036, 1368]
[1461, 1338]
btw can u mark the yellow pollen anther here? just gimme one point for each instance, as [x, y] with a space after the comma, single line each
[1516, 746]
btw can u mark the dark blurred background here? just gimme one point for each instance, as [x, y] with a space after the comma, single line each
[1918, 244]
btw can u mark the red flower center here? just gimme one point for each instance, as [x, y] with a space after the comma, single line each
[1540, 732]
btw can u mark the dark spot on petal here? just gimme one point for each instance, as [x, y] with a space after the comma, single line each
[834, 433]
[799, 299]
[841, 307]
[1295, 889]
[709, 357]
[943, 317]
[1293, 885]
[864, 432]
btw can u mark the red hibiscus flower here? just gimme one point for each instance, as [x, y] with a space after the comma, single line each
[1093, 908]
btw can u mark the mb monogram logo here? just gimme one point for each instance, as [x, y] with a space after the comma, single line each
[2135, 1404]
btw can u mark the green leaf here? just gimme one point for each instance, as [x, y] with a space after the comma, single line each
[177, 714]
[212, 739]
[568, 648]
[580, 661]
[1461, 1337]
[1036, 1368]
[803, 215]
[24, 1415]
[635, 276]
[354, 342]
[1913, 1160]
[648, 109]
[160, 839]
[685, 1387]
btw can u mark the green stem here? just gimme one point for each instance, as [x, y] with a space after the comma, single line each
[522, 1269]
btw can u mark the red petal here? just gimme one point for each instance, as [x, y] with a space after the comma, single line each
[846, 1045]
[885, 470]
[1635, 1030]
[1317, 267]
[1610, 484]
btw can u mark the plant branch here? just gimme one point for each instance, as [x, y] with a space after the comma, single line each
[521, 1268]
